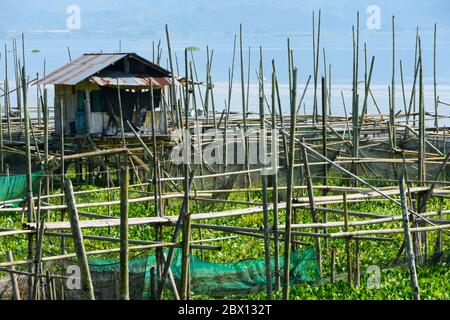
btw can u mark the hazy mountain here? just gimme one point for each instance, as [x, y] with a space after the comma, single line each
[193, 16]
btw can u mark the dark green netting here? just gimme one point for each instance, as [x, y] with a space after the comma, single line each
[15, 187]
[212, 279]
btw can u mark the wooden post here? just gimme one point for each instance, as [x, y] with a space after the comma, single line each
[408, 242]
[87, 111]
[124, 276]
[14, 284]
[78, 241]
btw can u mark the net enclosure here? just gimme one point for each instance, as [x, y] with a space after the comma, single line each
[218, 280]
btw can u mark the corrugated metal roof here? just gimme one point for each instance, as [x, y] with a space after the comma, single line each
[129, 80]
[81, 68]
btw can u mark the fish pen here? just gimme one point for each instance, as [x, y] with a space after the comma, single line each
[134, 184]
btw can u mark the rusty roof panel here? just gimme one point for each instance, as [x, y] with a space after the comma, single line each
[81, 68]
[129, 80]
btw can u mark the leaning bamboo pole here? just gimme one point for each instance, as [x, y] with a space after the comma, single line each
[408, 242]
[78, 241]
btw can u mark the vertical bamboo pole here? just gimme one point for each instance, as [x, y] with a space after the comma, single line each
[394, 138]
[274, 151]
[408, 242]
[422, 138]
[14, 283]
[124, 273]
[280, 112]
[30, 203]
[357, 264]
[244, 112]
[324, 130]
[17, 74]
[46, 120]
[172, 85]
[263, 153]
[436, 102]
[49, 291]
[1, 138]
[316, 51]
[78, 241]
[186, 215]
[333, 261]
[153, 283]
[122, 130]
[290, 188]
[355, 96]
[40, 226]
[324, 147]
[7, 98]
[63, 171]
[347, 243]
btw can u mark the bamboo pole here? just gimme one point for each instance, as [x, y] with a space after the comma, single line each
[244, 110]
[408, 242]
[324, 129]
[263, 152]
[78, 241]
[186, 215]
[332, 264]
[14, 284]
[124, 272]
[122, 129]
[436, 99]
[30, 202]
[347, 243]
[357, 264]
[422, 132]
[289, 193]
[312, 205]
[275, 200]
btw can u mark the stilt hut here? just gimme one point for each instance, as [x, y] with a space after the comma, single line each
[95, 89]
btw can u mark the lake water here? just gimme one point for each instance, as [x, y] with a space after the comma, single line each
[52, 47]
